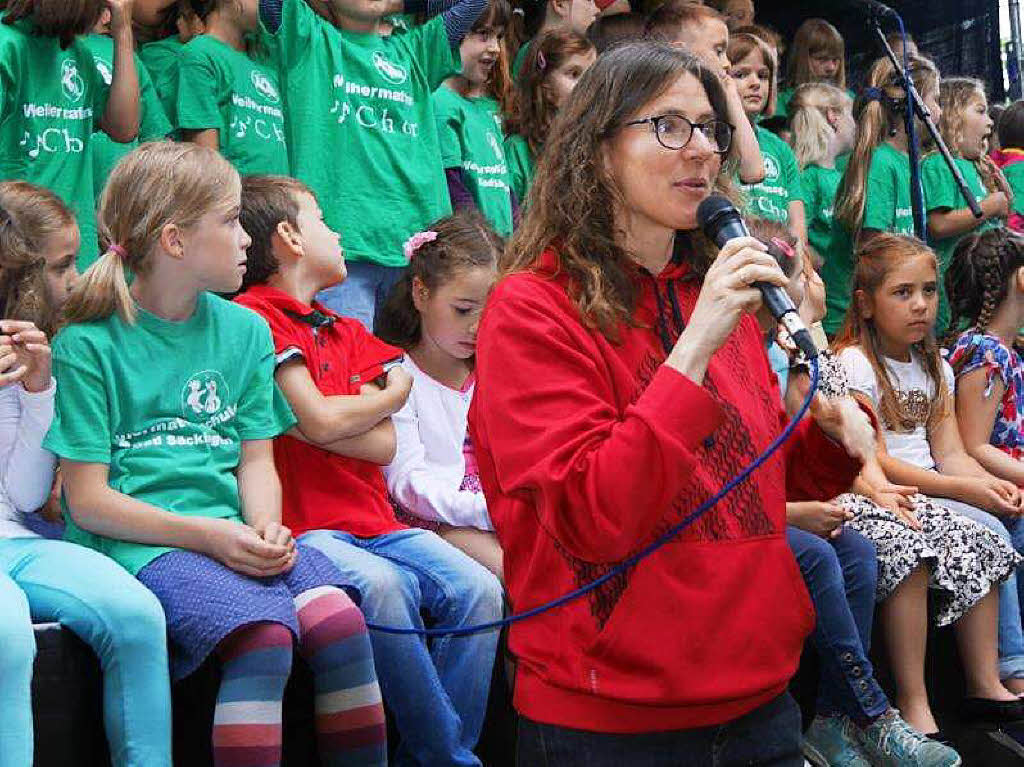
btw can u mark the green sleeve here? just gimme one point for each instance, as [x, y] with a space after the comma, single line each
[791, 172]
[880, 197]
[298, 25]
[430, 50]
[81, 423]
[154, 124]
[809, 191]
[263, 412]
[199, 91]
[1015, 178]
[100, 89]
[940, 192]
[447, 116]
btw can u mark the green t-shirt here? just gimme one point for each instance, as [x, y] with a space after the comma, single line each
[153, 123]
[521, 166]
[223, 89]
[770, 197]
[51, 102]
[161, 59]
[1014, 173]
[361, 130]
[471, 140]
[166, 405]
[887, 208]
[520, 59]
[819, 187]
[942, 193]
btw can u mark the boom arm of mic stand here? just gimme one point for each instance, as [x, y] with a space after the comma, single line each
[916, 106]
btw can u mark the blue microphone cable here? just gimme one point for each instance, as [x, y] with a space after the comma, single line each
[642, 554]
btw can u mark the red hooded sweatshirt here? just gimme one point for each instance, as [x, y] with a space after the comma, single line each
[588, 450]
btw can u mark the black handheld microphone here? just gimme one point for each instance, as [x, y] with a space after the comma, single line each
[721, 222]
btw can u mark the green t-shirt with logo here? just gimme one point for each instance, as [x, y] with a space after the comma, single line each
[153, 122]
[770, 197]
[361, 130]
[161, 59]
[521, 166]
[223, 89]
[471, 140]
[819, 187]
[51, 102]
[942, 193]
[166, 405]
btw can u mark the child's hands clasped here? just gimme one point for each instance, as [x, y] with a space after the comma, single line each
[818, 517]
[24, 355]
[899, 500]
[246, 551]
[994, 495]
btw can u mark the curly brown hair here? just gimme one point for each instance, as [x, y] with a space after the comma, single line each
[573, 186]
[22, 286]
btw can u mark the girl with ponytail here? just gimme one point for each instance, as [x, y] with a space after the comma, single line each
[164, 420]
[965, 127]
[879, 163]
[433, 313]
[821, 119]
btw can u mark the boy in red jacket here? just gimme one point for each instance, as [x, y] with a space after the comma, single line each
[343, 385]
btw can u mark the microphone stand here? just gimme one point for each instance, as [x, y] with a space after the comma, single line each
[915, 106]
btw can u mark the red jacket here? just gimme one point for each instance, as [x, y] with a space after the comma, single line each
[588, 451]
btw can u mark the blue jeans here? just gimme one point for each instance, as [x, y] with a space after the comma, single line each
[1011, 636]
[44, 581]
[769, 735]
[841, 576]
[363, 291]
[438, 695]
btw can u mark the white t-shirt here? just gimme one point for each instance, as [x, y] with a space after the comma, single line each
[915, 390]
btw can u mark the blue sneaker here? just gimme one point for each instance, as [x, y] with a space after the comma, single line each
[891, 742]
[830, 742]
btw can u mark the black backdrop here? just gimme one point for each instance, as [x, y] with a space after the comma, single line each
[962, 36]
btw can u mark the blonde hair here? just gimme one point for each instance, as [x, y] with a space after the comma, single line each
[740, 46]
[158, 184]
[955, 93]
[30, 216]
[808, 119]
[815, 36]
[878, 116]
[872, 264]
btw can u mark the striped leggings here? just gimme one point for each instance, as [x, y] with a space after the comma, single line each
[256, 661]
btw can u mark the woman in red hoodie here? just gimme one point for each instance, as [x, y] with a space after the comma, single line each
[621, 381]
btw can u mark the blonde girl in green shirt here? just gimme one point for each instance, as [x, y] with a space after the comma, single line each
[965, 126]
[469, 122]
[778, 196]
[555, 62]
[821, 117]
[878, 163]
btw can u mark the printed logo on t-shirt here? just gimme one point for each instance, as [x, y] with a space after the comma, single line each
[771, 168]
[105, 71]
[393, 73]
[496, 146]
[70, 81]
[204, 395]
[263, 85]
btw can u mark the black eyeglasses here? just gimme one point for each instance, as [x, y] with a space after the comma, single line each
[675, 132]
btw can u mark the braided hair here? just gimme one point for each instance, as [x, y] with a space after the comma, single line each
[978, 279]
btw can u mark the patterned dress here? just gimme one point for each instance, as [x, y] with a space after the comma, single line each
[975, 351]
[965, 560]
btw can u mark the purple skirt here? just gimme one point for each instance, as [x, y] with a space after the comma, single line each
[205, 601]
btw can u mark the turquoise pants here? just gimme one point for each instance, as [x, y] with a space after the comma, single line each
[44, 580]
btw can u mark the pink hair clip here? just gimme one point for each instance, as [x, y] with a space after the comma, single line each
[542, 62]
[784, 246]
[416, 241]
[118, 251]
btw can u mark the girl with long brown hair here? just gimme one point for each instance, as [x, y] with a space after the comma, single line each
[555, 61]
[621, 379]
[892, 363]
[818, 55]
[42, 579]
[467, 108]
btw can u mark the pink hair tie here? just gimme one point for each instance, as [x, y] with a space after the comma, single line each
[118, 251]
[416, 241]
[784, 246]
[542, 63]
